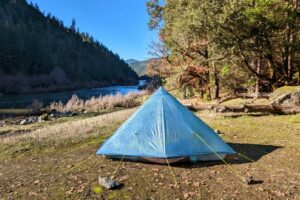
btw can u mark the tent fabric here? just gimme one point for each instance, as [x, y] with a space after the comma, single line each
[164, 128]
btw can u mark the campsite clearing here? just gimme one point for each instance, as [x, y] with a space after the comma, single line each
[59, 161]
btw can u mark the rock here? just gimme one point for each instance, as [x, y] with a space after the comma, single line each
[23, 122]
[108, 183]
[73, 114]
[32, 119]
[249, 180]
[2, 123]
[286, 96]
[43, 117]
[29, 120]
[218, 131]
[55, 115]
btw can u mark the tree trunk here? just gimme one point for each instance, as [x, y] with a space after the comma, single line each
[291, 39]
[257, 85]
[208, 91]
[299, 75]
[289, 56]
[217, 82]
[295, 9]
[290, 67]
[201, 91]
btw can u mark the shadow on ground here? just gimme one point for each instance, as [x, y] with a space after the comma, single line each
[252, 151]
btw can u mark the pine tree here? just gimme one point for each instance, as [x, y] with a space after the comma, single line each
[73, 25]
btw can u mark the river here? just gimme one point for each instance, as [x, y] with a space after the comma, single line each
[24, 100]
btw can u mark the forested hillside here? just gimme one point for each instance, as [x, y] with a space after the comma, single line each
[230, 45]
[39, 53]
[138, 66]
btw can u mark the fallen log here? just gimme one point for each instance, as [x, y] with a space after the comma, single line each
[271, 109]
[244, 96]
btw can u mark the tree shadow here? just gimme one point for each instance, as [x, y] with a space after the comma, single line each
[252, 151]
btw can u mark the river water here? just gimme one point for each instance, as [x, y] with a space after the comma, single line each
[24, 100]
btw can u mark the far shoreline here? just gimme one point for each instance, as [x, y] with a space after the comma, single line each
[18, 101]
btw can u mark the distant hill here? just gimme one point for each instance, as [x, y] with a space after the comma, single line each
[138, 66]
[39, 53]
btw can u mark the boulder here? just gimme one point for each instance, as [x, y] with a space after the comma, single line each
[32, 119]
[29, 120]
[43, 117]
[286, 96]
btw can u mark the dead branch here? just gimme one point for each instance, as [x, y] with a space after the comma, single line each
[244, 96]
[271, 109]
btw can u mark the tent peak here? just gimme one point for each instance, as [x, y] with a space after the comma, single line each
[161, 91]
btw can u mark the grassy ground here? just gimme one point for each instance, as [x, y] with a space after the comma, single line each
[57, 161]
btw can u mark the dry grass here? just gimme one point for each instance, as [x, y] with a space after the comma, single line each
[66, 167]
[35, 107]
[80, 128]
[69, 169]
[128, 100]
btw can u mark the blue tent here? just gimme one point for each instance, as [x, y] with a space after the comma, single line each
[164, 128]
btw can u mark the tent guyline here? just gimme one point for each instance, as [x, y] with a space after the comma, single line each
[118, 166]
[243, 156]
[267, 168]
[174, 177]
[172, 173]
[236, 172]
[80, 163]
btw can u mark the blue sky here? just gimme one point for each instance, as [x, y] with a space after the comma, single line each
[121, 25]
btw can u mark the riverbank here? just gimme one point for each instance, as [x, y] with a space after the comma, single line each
[36, 113]
[25, 100]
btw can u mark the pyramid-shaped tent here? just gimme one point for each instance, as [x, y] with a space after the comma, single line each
[164, 128]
